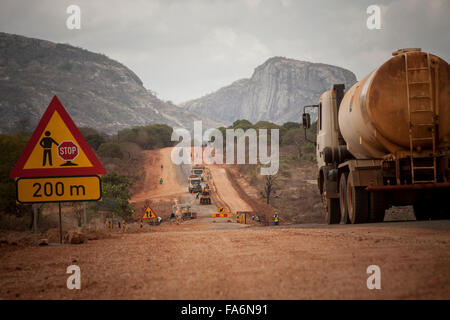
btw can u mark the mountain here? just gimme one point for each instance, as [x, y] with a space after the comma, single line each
[277, 92]
[96, 91]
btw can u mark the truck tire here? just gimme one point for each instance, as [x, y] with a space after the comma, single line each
[333, 214]
[433, 209]
[357, 202]
[343, 198]
[376, 207]
[440, 209]
[422, 211]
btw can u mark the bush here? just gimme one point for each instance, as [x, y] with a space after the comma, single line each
[110, 149]
[93, 137]
[148, 137]
[12, 147]
[292, 125]
[116, 187]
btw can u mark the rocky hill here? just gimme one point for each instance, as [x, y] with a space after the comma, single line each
[96, 91]
[277, 91]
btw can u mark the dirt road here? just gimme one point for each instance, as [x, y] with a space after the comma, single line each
[158, 164]
[209, 258]
[226, 192]
[311, 262]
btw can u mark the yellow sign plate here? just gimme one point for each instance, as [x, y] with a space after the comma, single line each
[58, 189]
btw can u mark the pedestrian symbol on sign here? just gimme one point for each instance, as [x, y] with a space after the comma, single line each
[46, 143]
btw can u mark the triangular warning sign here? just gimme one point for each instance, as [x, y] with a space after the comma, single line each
[149, 214]
[57, 148]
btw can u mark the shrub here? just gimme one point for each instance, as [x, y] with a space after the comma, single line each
[110, 149]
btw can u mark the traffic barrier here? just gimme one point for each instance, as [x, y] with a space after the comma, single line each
[221, 215]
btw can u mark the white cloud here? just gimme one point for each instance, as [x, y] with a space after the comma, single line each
[225, 45]
[253, 3]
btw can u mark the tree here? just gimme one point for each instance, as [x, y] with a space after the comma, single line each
[11, 147]
[269, 187]
[110, 149]
[116, 187]
[295, 137]
[95, 140]
[242, 124]
[292, 125]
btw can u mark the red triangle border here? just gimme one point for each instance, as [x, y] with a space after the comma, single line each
[56, 106]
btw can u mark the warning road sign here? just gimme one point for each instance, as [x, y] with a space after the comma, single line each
[221, 209]
[57, 148]
[149, 214]
[58, 189]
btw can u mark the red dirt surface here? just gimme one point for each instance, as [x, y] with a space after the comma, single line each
[207, 258]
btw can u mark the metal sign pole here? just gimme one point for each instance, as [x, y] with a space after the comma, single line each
[85, 222]
[60, 223]
[35, 224]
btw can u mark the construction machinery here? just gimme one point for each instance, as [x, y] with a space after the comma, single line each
[184, 210]
[198, 170]
[194, 182]
[205, 196]
[386, 141]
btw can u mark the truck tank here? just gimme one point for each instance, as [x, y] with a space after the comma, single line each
[409, 91]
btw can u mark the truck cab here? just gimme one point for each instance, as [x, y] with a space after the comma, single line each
[327, 125]
[194, 182]
[199, 171]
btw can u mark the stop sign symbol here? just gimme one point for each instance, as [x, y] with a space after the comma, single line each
[67, 150]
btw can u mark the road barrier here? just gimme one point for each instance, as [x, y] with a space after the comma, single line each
[221, 215]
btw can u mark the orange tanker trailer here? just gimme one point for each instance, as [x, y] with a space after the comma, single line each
[386, 141]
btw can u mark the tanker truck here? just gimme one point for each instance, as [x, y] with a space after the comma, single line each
[385, 141]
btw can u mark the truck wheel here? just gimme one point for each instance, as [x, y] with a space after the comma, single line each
[343, 198]
[333, 215]
[440, 209]
[357, 202]
[422, 211]
[377, 207]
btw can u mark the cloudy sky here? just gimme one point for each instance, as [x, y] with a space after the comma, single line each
[183, 49]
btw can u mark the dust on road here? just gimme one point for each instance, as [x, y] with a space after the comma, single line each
[207, 262]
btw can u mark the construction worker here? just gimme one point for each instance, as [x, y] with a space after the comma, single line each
[197, 196]
[161, 181]
[275, 219]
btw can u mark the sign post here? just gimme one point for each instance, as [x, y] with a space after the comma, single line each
[57, 165]
[85, 222]
[60, 223]
[35, 215]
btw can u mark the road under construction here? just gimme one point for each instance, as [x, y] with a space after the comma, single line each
[217, 258]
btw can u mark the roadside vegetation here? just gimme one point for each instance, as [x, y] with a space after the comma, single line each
[120, 155]
[292, 191]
